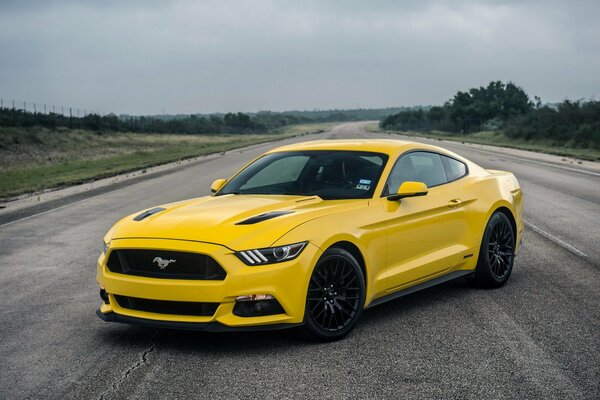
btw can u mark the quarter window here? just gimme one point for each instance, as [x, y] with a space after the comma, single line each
[418, 166]
[454, 168]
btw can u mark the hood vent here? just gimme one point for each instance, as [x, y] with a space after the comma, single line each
[263, 217]
[148, 213]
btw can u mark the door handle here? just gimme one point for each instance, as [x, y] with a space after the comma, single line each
[454, 203]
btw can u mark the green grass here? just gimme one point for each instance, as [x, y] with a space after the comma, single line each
[36, 159]
[497, 138]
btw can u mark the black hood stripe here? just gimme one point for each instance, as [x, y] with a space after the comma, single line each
[263, 217]
[148, 213]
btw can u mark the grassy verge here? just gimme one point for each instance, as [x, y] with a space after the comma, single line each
[499, 139]
[36, 159]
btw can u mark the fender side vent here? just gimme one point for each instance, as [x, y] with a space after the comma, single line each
[148, 213]
[263, 217]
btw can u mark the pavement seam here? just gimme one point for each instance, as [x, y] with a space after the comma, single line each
[143, 360]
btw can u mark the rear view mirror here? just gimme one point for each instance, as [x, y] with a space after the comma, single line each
[218, 184]
[409, 189]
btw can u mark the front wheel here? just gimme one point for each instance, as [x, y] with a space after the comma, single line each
[497, 253]
[335, 298]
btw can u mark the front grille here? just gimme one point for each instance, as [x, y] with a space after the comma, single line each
[165, 264]
[167, 307]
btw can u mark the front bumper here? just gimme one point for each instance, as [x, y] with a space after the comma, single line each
[287, 282]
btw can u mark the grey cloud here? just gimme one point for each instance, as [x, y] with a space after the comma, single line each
[189, 56]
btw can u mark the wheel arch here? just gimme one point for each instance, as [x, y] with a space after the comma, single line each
[356, 253]
[506, 209]
[511, 218]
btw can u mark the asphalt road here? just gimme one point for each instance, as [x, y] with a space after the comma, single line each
[537, 337]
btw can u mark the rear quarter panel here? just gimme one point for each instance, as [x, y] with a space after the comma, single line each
[492, 191]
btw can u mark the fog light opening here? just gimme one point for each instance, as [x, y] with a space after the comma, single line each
[256, 305]
[104, 296]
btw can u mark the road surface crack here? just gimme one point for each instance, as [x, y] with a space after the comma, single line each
[143, 360]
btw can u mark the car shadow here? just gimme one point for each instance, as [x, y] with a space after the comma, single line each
[373, 320]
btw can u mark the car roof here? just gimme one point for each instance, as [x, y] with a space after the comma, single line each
[385, 146]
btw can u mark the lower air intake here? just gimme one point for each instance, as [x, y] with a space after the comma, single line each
[167, 307]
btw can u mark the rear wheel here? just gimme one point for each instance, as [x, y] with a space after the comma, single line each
[336, 295]
[497, 252]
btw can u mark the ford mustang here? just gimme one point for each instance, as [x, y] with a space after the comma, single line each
[311, 234]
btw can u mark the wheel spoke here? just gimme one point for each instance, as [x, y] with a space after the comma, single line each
[350, 272]
[348, 304]
[321, 311]
[346, 312]
[348, 284]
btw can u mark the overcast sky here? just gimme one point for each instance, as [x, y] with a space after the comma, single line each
[148, 57]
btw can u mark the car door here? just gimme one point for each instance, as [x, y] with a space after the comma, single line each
[423, 233]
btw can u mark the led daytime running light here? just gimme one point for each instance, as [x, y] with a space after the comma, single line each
[271, 255]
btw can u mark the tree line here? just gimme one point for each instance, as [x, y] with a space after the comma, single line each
[191, 124]
[261, 122]
[508, 108]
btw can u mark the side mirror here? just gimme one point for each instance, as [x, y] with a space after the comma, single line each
[409, 189]
[218, 184]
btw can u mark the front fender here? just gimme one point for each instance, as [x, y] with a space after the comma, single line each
[368, 237]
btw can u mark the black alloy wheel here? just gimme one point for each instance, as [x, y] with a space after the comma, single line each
[501, 250]
[497, 253]
[336, 295]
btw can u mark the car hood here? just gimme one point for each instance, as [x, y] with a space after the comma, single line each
[238, 222]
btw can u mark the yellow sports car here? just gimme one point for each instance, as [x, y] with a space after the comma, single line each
[311, 234]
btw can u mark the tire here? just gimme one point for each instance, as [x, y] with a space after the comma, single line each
[497, 253]
[335, 297]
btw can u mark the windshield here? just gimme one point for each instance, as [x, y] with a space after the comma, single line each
[324, 173]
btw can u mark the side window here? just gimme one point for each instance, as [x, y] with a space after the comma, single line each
[454, 168]
[419, 166]
[287, 169]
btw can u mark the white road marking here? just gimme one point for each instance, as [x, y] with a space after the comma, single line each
[556, 240]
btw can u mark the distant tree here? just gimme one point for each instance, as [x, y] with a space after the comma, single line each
[467, 111]
[573, 123]
[238, 120]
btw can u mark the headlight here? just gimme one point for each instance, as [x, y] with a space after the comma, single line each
[105, 248]
[271, 255]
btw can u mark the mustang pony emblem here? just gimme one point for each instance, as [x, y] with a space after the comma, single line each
[162, 263]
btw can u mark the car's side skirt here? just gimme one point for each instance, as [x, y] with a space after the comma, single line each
[441, 279]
